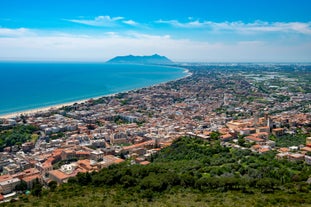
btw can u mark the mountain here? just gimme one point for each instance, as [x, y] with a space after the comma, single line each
[131, 59]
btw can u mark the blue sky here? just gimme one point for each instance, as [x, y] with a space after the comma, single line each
[196, 30]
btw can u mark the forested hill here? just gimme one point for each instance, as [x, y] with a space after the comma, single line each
[190, 172]
[131, 59]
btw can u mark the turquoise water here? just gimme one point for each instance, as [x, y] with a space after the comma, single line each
[25, 86]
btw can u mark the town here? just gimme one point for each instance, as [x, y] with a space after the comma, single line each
[258, 107]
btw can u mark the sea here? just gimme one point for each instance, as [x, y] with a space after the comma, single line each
[30, 85]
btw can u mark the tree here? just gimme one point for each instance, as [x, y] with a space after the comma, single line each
[241, 141]
[52, 185]
[128, 181]
[187, 180]
[37, 189]
[267, 184]
[215, 135]
[22, 186]
[84, 178]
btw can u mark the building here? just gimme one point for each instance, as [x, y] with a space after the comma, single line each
[296, 157]
[31, 180]
[8, 183]
[245, 131]
[308, 160]
[109, 160]
[44, 168]
[88, 165]
[68, 154]
[96, 155]
[306, 149]
[252, 138]
[263, 129]
[62, 175]
[27, 146]
[234, 125]
[282, 155]
[30, 176]
[278, 132]
[82, 155]
[226, 137]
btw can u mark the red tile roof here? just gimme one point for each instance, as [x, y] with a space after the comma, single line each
[145, 163]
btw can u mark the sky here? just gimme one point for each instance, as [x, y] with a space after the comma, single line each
[184, 30]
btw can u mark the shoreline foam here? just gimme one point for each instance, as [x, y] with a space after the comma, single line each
[58, 106]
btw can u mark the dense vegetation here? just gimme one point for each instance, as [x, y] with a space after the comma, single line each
[17, 135]
[190, 172]
[291, 140]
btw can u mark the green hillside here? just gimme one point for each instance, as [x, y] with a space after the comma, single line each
[190, 172]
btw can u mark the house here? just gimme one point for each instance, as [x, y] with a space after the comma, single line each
[308, 160]
[148, 145]
[270, 143]
[293, 148]
[82, 155]
[27, 146]
[263, 129]
[44, 167]
[60, 177]
[68, 154]
[278, 132]
[264, 150]
[30, 176]
[8, 183]
[282, 155]
[261, 148]
[245, 131]
[252, 138]
[31, 180]
[252, 130]
[262, 135]
[237, 124]
[226, 137]
[87, 165]
[296, 157]
[283, 149]
[255, 147]
[96, 155]
[203, 137]
[109, 160]
[306, 149]
[144, 163]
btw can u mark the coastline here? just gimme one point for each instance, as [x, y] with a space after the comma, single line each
[58, 106]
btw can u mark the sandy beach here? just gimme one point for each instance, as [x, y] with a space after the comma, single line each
[39, 110]
[58, 106]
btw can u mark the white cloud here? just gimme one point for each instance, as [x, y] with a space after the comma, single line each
[138, 35]
[101, 47]
[130, 22]
[104, 21]
[176, 23]
[6, 32]
[239, 26]
[98, 21]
